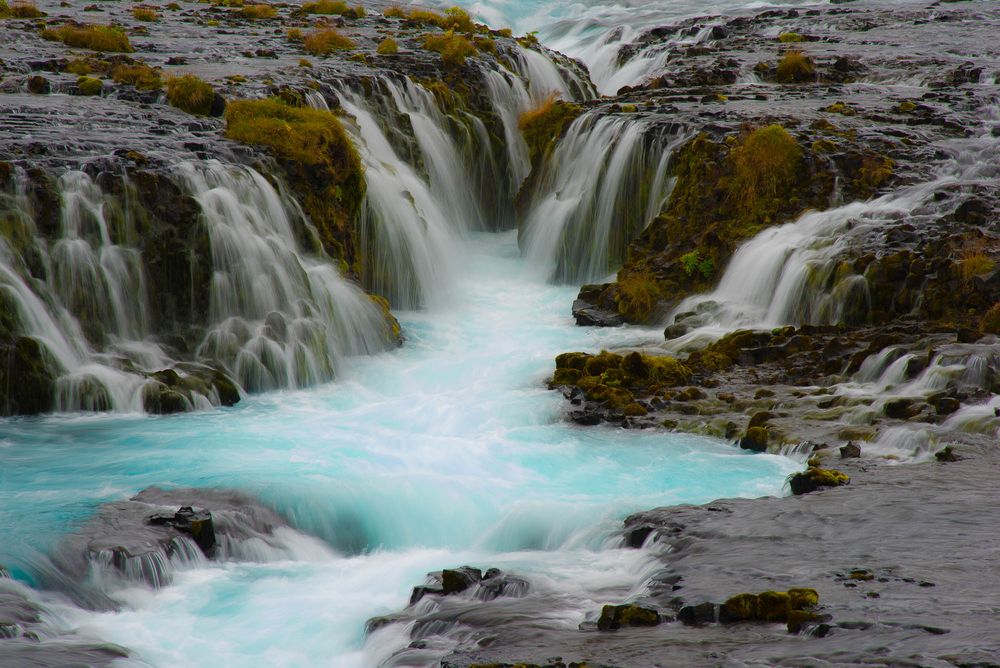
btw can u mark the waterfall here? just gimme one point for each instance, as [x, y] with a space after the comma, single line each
[436, 174]
[793, 275]
[278, 318]
[605, 181]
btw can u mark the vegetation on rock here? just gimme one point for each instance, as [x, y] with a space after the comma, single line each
[257, 12]
[543, 126]
[795, 67]
[19, 10]
[453, 47]
[336, 7]
[147, 14]
[455, 18]
[792, 606]
[89, 86]
[326, 41]
[191, 94]
[94, 37]
[140, 75]
[314, 149]
[614, 380]
[387, 47]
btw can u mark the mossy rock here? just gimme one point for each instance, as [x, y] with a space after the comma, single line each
[768, 606]
[27, 377]
[816, 478]
[755, 439]
[614, 617]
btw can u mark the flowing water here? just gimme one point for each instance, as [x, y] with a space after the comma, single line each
[447, 451]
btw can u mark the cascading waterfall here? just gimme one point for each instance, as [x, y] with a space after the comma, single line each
[606, 180]
[422, 193]
[280, 319]
[792, 274]
[277, 317]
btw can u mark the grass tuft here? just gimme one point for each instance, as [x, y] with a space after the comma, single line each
[191, 94]
[94, 37]
[326, 41]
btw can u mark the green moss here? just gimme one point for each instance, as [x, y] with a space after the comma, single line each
[455, 18]
[635, 410]
[89, 86]
[615, 380]
[823, 146]
[905, 107]
[543, 126]
[323, 166]
[768, 606]
[840, 108]
[94, 37]
[616, 616]
[766, 164]
[191, 94]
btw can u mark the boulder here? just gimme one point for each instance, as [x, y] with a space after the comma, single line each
[815, 478]
[614, 617]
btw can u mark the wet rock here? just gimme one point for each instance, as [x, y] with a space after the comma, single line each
[39, 85]
[850, 451]
[588, 315]
[792, 606]
[899, 409]
[496, 583]
[816, 478]
[947, 454]
[703, 613]
[754, 439]
[27, 377]
[196, 523]
[614, 617]
[458, 580]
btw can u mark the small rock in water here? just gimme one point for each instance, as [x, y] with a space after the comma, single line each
[850, 451]
[614, 617]
[196, 523]
[815, 478]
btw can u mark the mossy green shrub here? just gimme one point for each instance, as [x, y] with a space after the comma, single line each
[315, 151]
[841, 108]
[387, 47]
[815, 478]
[795, 67]
[191, 94]
[140, 75]
[543, 126]
[94, 37]
[325, 41]
[89, 86]
[453, 47]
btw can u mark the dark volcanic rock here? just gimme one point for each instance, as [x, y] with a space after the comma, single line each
[614, 617]
[197, 523]
[816, 478]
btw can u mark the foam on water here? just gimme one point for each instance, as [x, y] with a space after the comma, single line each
[447, 451]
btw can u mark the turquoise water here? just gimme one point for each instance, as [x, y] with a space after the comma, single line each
[446, 451]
